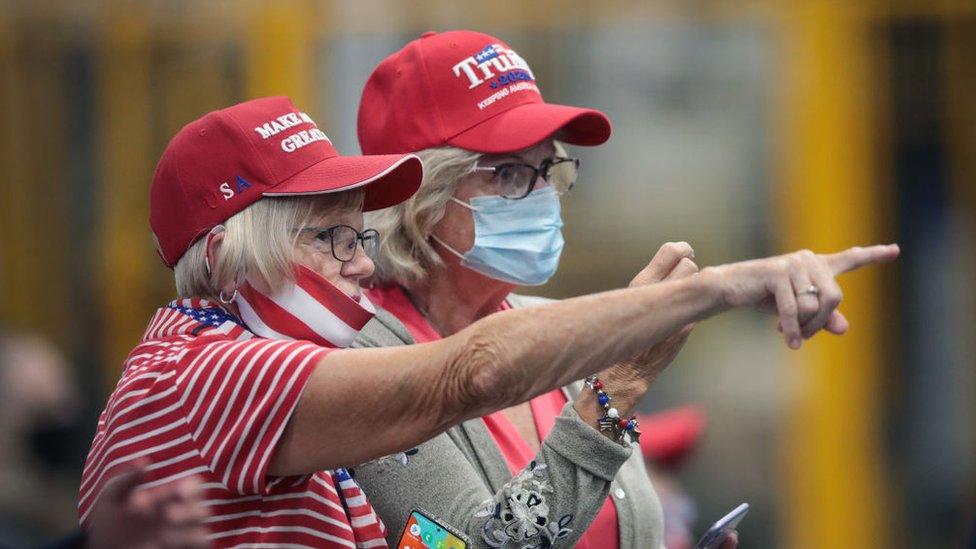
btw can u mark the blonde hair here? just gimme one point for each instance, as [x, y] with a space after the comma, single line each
[405, 252]
[259, 241]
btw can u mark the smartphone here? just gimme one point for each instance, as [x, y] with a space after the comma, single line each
[715, 535]
[425, 531]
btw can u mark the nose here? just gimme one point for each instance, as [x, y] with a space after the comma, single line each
[541, 182]
[360, 267]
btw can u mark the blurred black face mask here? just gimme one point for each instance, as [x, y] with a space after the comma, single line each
[55, 444]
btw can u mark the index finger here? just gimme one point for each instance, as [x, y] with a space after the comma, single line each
[857, 257]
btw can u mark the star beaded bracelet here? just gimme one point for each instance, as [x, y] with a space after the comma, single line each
[625, 431]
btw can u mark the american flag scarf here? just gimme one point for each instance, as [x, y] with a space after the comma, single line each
[310, 308]
[194, 316]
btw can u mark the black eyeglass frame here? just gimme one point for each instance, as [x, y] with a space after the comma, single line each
[541, 171]
[361, 238]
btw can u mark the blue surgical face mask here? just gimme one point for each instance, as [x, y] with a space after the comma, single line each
[515, 241]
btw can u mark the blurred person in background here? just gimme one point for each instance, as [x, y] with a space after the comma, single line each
[40, 410]
[40, 441]
[485, 221]
[244, 380]
[170, 516]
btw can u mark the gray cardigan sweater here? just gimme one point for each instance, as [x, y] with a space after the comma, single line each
[462, 478]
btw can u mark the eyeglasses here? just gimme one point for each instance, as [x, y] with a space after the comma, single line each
[344, 240]
[517, 180]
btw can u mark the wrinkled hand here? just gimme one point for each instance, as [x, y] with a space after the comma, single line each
[167, 517]
[628, 381]
[674, 260]
[776, 285]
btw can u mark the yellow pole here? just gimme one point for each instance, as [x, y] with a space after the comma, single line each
[15, 159]
[279, 52]
[33, 195]
[829, 198]
[126, 166]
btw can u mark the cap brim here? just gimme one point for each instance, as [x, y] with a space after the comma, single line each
[387, 179]
[527, 125]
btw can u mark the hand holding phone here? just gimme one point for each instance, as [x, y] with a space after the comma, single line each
[716, 535]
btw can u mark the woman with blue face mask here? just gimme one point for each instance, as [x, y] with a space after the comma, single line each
[486, 221]
[559, 470]
[517, 222]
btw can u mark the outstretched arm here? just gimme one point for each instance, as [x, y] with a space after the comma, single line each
[360, 404]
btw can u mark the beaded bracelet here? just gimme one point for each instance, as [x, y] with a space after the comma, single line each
[625, 431]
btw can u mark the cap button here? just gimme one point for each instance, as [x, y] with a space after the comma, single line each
[428, 33]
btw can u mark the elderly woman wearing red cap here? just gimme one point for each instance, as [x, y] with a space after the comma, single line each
[244, 381]
[557, 470]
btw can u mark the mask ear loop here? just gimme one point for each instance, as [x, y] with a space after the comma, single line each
[465, 204]
[450, 249]
[441, 242]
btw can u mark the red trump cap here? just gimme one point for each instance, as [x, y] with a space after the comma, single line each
[225, 161]
[469, 90]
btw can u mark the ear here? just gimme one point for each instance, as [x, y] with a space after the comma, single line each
[214, 241]
[214, 238]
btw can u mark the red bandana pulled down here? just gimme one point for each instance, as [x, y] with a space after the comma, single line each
[310, 308]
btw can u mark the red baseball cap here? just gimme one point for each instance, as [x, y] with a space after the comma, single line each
[469, 90]
[668, 437]
[225, 161]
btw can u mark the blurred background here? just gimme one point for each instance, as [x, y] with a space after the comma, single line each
[745, 128]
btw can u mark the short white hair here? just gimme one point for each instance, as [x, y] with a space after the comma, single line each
[258, 241]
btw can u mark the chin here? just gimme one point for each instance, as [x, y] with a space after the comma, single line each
[355, 293]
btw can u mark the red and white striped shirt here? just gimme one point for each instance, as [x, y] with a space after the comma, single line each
[201, 395]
